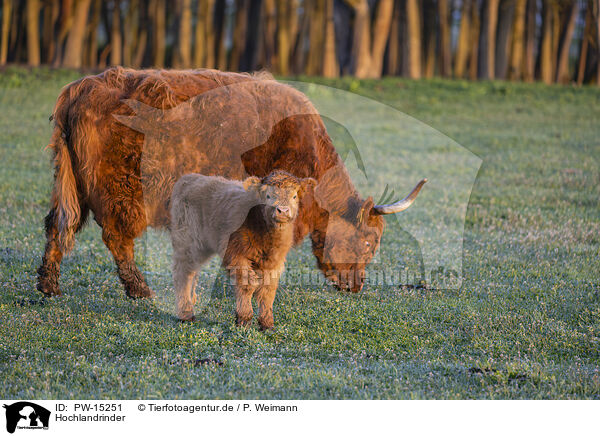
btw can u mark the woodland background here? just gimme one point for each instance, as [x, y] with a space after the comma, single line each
[546, 40]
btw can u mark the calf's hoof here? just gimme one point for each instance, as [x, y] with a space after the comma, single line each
[187, 319]
[48, 280]
[266, 325]
[242, 321]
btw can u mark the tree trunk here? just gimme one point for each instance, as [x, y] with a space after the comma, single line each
[475, 30]
[130, 31]
[158, 9]
[517, 50]
[33, 33]
[414, 39]
[393, 54]
[116, 40]
[220, 34]
[597, 13]
[445, 40]
[6, 15]
[529, 61]
[184, 46]
[204, 39]
[239, 33]
[545, 51]
[51, 11]
[462, 45]
[269, 34]
[381, 34]
[249, 56]
[585, 38]
[562, 66]
[91, 51]
[314, 63]
[142, 40]
[65, 21]
[487, 42]
[430, 33]
[74, 47]
[330, 65]
[506, 13]
[556, 26]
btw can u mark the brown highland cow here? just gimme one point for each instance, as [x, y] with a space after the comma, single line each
[250, 225]
[241, 125]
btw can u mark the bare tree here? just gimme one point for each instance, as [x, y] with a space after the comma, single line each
[314, 62]
[184, 43]
[445, 41]
[393, 60]
[91, 50]
[239, 33]
[74, 48]
[33, 32]
[529, 61]
[562, 65]
[475, 30]
[545, 51]
[506, 13]
[330, 65]
[517, 49]
[430, 36]
[585, 41]
[414, 39]
[464, 35]
[158, 16]
[487, 39]
[6, 15]
[116, 39]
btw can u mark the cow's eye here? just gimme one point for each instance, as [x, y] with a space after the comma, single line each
[295, 195]
[368, 244]
[268, 197]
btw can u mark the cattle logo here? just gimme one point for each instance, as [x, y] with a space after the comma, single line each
[26, 415]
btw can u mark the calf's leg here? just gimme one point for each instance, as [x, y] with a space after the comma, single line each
[184, 275]
[246, 283]
[265, 295]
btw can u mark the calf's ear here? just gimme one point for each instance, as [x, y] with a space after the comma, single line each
[307, 185]
[251, 183]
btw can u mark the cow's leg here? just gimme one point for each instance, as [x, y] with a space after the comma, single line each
[49, 270]
[121, 247]
[265, 295]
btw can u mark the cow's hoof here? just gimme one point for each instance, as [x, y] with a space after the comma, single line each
[189, 319]
[140, 292]
[48, 280]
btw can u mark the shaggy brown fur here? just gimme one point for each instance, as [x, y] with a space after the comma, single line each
[250, 225]
[126, 178]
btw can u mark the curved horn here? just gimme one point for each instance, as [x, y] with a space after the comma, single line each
[399, 206]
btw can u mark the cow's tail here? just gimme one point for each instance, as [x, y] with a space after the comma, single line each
[65, 213]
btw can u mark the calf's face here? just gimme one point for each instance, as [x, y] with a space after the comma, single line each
[280, 195]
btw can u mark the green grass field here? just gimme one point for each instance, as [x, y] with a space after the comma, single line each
[525, 324]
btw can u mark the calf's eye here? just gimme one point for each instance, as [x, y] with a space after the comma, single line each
[268, 197]
[295, 195]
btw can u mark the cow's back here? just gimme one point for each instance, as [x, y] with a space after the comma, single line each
[132, 140]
